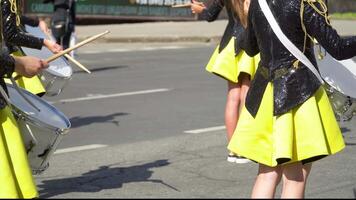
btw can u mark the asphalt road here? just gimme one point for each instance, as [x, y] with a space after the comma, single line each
[147, 123]
[178, 94]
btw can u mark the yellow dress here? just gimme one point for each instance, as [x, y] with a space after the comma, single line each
[228, 65]
[33, 85]
[16, 180]
[306, 133]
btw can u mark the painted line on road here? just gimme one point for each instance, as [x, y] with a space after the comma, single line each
[204, 130]
[80, 148]
[100, 96]
[130, 50]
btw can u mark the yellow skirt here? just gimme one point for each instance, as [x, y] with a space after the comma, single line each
[33, 85]
[16, 180]
[306, 133]
[229, 66]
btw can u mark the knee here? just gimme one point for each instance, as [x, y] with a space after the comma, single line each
[270, 174]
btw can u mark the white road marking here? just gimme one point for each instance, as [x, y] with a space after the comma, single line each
[203, 130]
[80, 148]
[130, 50]
[100, 96]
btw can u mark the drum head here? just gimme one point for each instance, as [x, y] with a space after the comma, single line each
[48, 114]
[341, 75]
[59, 67]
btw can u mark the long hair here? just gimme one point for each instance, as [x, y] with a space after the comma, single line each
[241, 9]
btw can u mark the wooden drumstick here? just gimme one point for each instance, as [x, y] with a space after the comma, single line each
[182, 5]
[71, 58]
[77, 63]
[55, 56]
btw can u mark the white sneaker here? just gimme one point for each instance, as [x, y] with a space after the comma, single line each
[237, 159]
[231, 158]
[241, 160]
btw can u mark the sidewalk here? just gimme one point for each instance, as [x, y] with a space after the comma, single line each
[197, 31]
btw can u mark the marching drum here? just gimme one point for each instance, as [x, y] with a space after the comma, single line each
[340, 83]
[59, 72]
[42, 130]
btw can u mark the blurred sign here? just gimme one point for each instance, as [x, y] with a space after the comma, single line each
[119, 8]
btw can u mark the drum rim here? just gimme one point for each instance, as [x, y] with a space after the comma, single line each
[39, 122]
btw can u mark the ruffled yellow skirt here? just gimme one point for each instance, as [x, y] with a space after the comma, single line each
[16, 180]
[306, 133]
[33, 85]
[229, 66]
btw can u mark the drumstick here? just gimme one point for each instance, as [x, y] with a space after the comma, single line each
[55, 56]
[182, 5]
[71, 58]
[76, 62]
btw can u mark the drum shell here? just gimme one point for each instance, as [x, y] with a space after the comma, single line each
[42, 130]
[40, 149]
[56, 76]
[53, 84]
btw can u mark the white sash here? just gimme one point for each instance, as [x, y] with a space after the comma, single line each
[285, 41]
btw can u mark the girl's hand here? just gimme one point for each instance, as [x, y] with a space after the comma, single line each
[197, 7]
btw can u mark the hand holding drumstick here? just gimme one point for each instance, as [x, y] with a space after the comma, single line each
[70, 57]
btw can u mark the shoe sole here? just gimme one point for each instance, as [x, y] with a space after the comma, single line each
[242, 161]
[232, 160]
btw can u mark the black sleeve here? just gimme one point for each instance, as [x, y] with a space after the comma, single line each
[211, 13]
[338, 47]
[11, 32]
[7, 63]
[30, 21]
[247, 39]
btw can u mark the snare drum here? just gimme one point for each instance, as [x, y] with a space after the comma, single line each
[340, 83]
[42, 130]
[59, 72]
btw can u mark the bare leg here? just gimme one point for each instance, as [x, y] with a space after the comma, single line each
[245, 81]
[266, 181]
[294, 180]
[232, 108]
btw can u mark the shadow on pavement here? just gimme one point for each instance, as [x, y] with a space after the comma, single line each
[101, 69]
[84, 121]
[102, 178]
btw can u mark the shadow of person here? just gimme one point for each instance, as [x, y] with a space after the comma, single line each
[107, 68]
[102, 178]
[84, 121]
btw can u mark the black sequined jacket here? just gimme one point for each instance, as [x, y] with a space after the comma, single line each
[233, 28]
[7, 67]
[13, 35]
[292, 85]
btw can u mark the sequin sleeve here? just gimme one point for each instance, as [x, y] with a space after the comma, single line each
[337, 46]
[11, 32]
[7, 65]
[211, 13]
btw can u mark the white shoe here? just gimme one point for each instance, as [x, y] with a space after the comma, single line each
[231, 158]
[241, 160]
[237, 159]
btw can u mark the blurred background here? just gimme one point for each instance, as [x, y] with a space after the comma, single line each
[131, 11]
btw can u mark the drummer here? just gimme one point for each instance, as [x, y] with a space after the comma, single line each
[14, 37]
[15, 172]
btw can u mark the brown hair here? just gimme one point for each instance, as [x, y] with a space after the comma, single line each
[241, 9]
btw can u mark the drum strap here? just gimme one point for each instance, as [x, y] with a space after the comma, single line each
[285, 41]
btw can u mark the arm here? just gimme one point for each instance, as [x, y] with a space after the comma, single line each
[30, 21]
[12, 34]
[212, 12]
[339, 47]
[7, 63]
